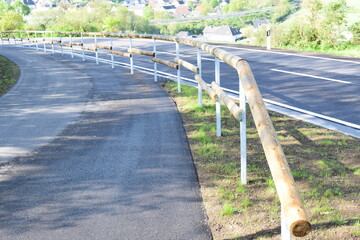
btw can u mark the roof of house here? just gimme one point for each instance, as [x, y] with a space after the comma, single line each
[258, 23]
[183, 10]
[183, 34]
[223, 30]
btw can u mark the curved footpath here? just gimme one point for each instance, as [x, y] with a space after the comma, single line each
[103, 155]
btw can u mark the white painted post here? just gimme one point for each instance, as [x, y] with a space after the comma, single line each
[112, 55]
[200, 73]
[82, 47]
[2, 42]
[37, 46]
[96, 52]
[243, 153]
[28, 36]
[131, 58]
[285, 229]
[22, 42]
[218, 106]
[44, 42]
[72, 51]
[178, 71]
[61, 47]
[155, 64]
[268, 38]
[52, 43]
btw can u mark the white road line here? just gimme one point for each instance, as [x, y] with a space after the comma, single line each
[291, 54]
[312, 76]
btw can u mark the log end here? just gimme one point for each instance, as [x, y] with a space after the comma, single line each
[300, 228]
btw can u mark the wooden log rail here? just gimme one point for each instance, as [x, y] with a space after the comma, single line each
[66, 45]
[122, 54]
[76, 44]
[141, 52]
[166, 63]
[89, 49]
[103, 47]
[291, 204]
[205, 87]
[231, 105]
[187, 65]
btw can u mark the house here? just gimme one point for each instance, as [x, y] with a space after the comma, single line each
[182, 11]
[223, 33]
[258, 23]
[183, 34]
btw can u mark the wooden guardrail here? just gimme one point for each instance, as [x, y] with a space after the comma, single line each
[291, 203]
[166, 63]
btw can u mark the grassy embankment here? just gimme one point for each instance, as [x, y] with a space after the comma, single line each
[9, 73]
[324, 163]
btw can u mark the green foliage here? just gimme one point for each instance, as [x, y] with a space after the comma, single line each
[21, 8]
[227, 209]
[148, 13]
[9, 73]
[11, 21]
[100, 17]
[355, 29]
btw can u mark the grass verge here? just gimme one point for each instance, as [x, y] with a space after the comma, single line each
[325, 165]
[9, 73]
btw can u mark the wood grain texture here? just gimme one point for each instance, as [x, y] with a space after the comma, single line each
[289, 196]
[231, 105]
[122, 54]
[141, 52]
[205, 87]
[166, 63]
[187, 65]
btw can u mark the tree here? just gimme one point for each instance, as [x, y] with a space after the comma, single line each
[11, 21]
[148, 13]
[21, 8]
[4, 7]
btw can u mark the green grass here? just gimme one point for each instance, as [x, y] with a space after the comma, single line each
[9, 73]
[227, 209]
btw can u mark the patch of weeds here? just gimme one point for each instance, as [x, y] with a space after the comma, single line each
[325, 142]
[9, 73]
[300, 174]
[241, 188]
[271, 184]
[246, 203]
[332, 192]
[227, 169]
[227, 209]
[356, 230]
[322, 209]
[227, 194]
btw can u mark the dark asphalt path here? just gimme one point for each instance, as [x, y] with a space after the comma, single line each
[121, 170]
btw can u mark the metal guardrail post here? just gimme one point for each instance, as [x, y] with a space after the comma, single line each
[22, 42]
[178, 70]
[37, 46]
[155, 64]
[243, 152]
[62, 49]
[52, 43]
[132, 57]
[82, 47]
[112, 55]
[28, 36]
[72, 51]
[96, 52]
[44, 42]
[285, 230]
[200, 74]
[218, 106]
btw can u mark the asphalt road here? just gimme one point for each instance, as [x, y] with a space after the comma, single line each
[108, 156]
